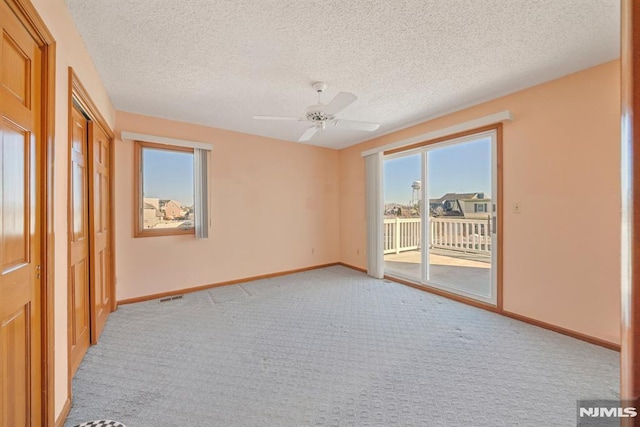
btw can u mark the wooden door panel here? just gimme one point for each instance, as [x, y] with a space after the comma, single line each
[79, 308]
[101, 300]
[20, 115]
[79, 319]
[15, 196]
[78, 198]
[14, 363]
[20, 232]
[99, 197]
[17, 80]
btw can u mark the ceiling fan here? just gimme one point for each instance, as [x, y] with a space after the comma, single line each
[321, 114]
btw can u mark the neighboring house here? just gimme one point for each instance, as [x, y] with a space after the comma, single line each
[151, 214]
[189, 213]
[466, 205]
[155, 202]
[172, 209]
[449, 205]
[393, 210]
[477, 208]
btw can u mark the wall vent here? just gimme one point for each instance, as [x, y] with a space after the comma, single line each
[171, 298]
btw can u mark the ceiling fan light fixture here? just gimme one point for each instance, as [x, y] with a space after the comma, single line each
[319, 114]
[314, 115]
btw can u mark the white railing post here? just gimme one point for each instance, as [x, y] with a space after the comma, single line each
[455, 234]
[431, 228]
[396, 235]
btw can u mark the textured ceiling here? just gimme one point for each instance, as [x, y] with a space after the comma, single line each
[219, 62]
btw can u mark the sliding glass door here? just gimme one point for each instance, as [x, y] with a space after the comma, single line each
[403, 215]
[440, 222]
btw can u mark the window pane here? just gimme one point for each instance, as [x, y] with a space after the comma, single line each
[167, 189]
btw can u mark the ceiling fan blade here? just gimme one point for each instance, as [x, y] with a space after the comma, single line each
[340, 102]
[308, 134]
[276, 118]
[352, 124]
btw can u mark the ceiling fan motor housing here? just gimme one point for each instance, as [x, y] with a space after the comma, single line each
[315, 113]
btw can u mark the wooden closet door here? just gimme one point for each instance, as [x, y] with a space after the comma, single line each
[99, 193]
[78, 242]
[21, 147]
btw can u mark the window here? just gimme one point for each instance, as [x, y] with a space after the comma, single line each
[480, 207]
[165, 190]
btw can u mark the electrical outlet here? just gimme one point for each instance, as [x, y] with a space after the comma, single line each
[517, 207]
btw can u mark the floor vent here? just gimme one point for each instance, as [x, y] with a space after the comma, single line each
[171, 298]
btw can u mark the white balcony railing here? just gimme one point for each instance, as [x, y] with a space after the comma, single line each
[458, 234]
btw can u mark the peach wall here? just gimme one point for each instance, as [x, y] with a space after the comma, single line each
[561, 150]
[70, 51]
[274, 208]
[561, 162]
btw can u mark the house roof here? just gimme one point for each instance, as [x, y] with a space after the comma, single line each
[454, 196]
[222, 62]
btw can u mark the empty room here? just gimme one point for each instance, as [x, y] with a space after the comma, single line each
[303, 213]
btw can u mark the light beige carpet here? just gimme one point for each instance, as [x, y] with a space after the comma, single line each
[333, 347]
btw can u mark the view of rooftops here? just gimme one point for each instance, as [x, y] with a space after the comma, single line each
[167, 189]
[456, 247]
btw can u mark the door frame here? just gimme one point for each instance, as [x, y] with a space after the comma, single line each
[29, 17]
[426, 231]
[79, 94]
[497, 170]
[630, 197]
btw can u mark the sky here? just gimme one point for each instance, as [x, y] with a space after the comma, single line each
[459, 168]
[168, 175]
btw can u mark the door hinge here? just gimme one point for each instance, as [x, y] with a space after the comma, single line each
[38, 271]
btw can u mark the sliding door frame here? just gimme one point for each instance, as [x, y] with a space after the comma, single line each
[77, 94]
[497, 189]
[398, 155]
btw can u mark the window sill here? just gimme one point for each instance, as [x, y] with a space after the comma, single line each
[163, 232]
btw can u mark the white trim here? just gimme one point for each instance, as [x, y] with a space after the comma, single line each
[167, 141]
[500, 117]
[425, 212]
[494, 210]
